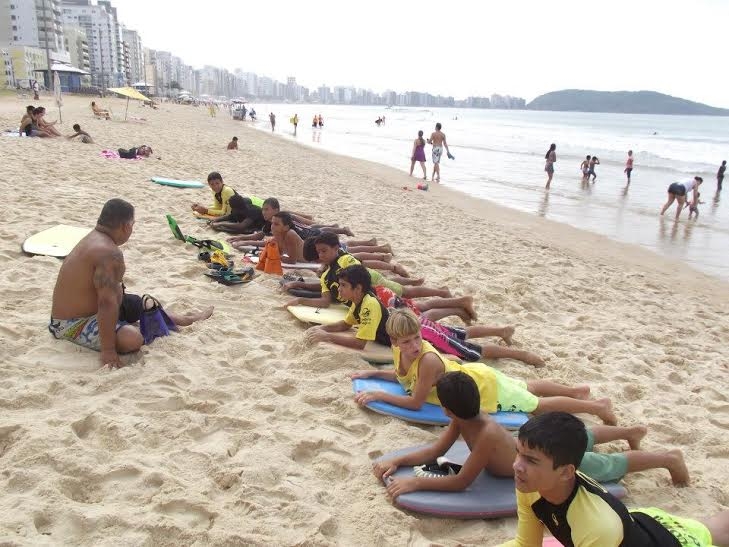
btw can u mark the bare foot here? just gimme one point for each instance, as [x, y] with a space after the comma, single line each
[191, 317]
[387, 248]
[507, 334]
[532, 359]
[347, 231]
[606, 413]
[400, 270]
[581, 392]
[677, 468]
[635, 435]
[417, 282]
[446, 292]
[386, 257]
[371, 242]
[468, 306]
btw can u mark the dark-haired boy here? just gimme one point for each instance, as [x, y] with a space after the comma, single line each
[78, 132]
[221, 194]
[553, 494]
[493, 449]
[365, 312]
[334, 258]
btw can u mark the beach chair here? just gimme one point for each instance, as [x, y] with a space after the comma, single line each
[101, 114]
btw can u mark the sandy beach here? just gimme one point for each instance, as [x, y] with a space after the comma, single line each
[232, 432]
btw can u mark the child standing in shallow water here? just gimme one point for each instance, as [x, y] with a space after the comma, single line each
[418, 155]
[629, 165]
[550, 157]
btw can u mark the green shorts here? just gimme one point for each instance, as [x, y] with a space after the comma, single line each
[603, 467]
[688, 532]
[380, 280]
[512, 395]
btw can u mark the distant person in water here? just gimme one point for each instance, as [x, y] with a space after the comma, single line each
[233, 145]
[720, 175]
[272, 117]
[629, 165]
[550, 157]
[678, 192]
[591, 172]
[585, 167]
[418, 155]
[78, 132]
[321, 121]
[438, 140]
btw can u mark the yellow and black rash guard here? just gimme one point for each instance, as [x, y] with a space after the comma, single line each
[590, 517]
[329, 280]
[221, 203]
[370, 317]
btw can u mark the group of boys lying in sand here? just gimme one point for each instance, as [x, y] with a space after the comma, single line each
[552, 459]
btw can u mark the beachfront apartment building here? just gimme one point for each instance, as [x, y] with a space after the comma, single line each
[103, 39]
[134, 54]
[32, 23]
[19, 66]
[77, 47]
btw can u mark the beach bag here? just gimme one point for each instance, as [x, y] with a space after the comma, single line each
[154, 322]
[131, 308]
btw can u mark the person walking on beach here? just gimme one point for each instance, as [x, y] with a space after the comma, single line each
[629, 165]
[720, 176]
[438, 140]
[678, 191]
[550, 157]
[593, 162]
[585, 167]
[295, 121]
[418, 155]
[272, 117]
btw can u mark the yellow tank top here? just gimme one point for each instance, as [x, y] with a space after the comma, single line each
[482, 374]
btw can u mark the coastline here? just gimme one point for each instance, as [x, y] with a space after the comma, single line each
[232, 431]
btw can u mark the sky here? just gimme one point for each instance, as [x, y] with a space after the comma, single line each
[461, 48]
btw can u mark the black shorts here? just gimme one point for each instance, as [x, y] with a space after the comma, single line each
[628, 171]
[677, 189]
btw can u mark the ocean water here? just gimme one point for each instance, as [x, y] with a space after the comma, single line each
[500, 157]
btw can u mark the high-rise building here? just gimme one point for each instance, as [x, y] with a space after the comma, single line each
[102, 37]
[31, 23]
[135, 55]
[77, 47]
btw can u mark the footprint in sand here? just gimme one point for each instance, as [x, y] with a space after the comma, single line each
[99, 433]
[189, 514]
[285, 388]
[9, 435]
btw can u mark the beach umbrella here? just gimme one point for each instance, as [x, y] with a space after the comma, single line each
[57, 94]
[129, 93]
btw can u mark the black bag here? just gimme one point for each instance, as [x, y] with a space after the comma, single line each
[131, 308]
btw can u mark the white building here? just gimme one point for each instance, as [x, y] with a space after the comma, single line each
[28, 23]
[102, 36]
[135, 54]
[77, 47]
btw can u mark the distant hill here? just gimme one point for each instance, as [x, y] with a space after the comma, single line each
[628, 102]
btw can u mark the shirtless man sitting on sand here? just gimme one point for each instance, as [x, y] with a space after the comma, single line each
[89, 292]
